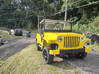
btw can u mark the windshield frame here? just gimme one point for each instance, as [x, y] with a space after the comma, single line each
[43, 28]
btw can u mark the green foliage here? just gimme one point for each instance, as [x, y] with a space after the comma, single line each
[83, 13]
[1, 62]
[23, 13]
[92, 26]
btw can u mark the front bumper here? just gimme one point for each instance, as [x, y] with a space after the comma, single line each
[64, 52]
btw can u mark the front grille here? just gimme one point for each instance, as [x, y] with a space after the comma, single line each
[71, 41]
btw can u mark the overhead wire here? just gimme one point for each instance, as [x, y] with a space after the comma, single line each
[74, 7]
[78, 1]
[87, 4]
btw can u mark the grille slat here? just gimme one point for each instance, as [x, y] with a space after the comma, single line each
[71, 41]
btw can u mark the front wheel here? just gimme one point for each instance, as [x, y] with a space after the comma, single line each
[81, 55]
[38, 47]
[47, 57]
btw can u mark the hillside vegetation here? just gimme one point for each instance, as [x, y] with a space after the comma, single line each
[24, 13]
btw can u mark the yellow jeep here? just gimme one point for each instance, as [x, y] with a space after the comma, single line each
[56, 39]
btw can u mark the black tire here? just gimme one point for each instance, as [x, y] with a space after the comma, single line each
[47, 57]
[81, 55]
[38, 47]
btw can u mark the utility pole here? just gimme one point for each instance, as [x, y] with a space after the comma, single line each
[38, 22]
[65, 18]
[38, 17]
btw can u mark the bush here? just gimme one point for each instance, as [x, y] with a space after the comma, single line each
[92, 26]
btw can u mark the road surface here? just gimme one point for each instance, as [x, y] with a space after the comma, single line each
[90, 65]
[14, 46]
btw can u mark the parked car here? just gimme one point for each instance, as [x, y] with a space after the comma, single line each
[18, 32]
[55, 39]
[28, 34]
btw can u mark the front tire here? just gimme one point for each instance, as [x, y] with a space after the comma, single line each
[38, 47]
[81, 55]
[47, 57]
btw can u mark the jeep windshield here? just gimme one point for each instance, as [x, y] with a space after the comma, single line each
[55, 25]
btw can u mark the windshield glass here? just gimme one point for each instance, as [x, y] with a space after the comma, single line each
[57, 26]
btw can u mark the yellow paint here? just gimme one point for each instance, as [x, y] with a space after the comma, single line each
[39, 40]
[87, 50]
[54, 52]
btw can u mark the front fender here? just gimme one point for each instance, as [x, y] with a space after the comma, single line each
[87, 40]
[50, 39]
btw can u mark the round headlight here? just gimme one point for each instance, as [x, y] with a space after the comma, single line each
[60, 39]
[83, 39]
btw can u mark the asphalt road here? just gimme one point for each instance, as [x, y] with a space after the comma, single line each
[14, 46]
[89, 65]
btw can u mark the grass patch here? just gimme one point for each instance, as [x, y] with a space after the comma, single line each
[30, 61]
[96, 44]
[1, 62]
[5, 35]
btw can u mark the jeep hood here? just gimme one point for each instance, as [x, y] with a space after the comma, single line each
[50, 36]
[54, 36]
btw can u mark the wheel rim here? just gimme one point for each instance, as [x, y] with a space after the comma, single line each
[45, 55]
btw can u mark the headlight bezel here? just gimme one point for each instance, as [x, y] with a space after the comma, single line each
[60, 39]
[83, 38]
